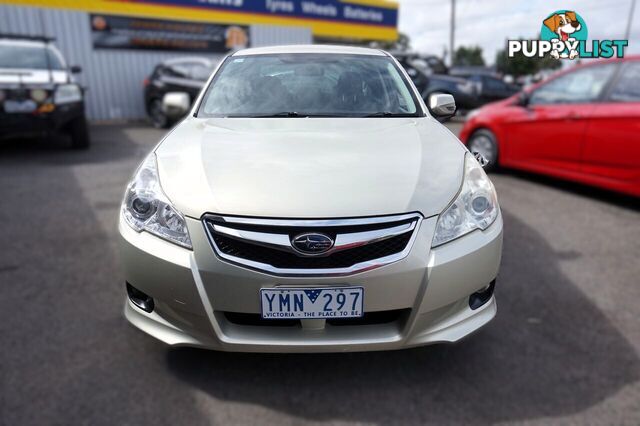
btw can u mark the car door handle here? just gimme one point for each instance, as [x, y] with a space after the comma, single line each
[574, 116]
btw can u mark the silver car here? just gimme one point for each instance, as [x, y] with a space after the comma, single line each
[310, 202]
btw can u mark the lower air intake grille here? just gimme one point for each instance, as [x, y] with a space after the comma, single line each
[369, 318]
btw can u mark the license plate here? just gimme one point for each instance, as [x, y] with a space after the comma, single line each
[11, 106]
[312, 303]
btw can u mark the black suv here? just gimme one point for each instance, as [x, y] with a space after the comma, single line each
[186, 75]
[38, 93]
[489, 86]
[470, 90]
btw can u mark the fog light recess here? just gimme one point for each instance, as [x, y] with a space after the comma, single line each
[139, 298]
[481, 297]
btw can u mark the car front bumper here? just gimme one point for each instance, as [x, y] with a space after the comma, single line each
[36, 124]
[192, 291]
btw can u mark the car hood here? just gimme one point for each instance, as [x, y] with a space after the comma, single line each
[310, 167]
[32, 76]
[495, 107]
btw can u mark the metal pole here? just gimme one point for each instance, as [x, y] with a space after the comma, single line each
[628, 32]
[452, 31]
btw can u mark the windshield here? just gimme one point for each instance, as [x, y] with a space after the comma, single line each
[307, 85]
[31, 57]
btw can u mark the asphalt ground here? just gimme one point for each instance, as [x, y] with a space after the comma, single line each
[563, 349]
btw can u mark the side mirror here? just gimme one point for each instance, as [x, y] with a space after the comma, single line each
[442, 105]
[523, 99]
[176, 104]
[75, 69]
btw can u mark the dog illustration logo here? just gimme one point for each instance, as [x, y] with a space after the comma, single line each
[566, 27]
[563, 35]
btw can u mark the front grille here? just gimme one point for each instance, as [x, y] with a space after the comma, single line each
[263, 244]
[281, 259]
[24, 93]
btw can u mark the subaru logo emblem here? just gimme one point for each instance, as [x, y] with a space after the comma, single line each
[311, 243]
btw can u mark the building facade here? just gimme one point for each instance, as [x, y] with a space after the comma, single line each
[117, 43]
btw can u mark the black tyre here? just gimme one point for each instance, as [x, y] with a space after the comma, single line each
[158, 118]
[484, 142]
[79, 132]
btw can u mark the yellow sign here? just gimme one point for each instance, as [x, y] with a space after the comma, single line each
[360, 19]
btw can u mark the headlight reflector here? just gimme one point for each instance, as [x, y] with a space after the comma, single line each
[475, 207]
[147, 208]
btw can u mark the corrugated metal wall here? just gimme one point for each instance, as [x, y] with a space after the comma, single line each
[267, 35]
[114, 77]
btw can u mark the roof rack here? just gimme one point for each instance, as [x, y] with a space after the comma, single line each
[42, 38]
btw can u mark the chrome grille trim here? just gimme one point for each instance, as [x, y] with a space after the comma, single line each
[275, 241]
[316, 222]
[343, 241]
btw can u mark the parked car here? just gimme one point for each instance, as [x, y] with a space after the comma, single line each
[581, 124]
[39, 95]
[186, 75]
[429, 83]
[470, 91]
[428, 64]
[489, 86]
[464, 91]
[527, 81]
[309, 202]
[469, 70]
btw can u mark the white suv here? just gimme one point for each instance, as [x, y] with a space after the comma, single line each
[38, 93]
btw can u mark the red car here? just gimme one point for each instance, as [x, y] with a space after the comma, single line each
[582, 124]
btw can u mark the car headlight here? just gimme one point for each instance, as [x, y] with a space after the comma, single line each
[475, 207]
[147, 208]
[67, 93]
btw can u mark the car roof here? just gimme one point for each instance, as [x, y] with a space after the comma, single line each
[310, 48]
[25, 43]
[585, 64]
[183, 59]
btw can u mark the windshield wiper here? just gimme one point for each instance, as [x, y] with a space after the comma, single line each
[380, 114]
[295, 114]
[389, 114]
[277, 114]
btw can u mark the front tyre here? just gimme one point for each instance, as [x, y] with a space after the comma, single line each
[483, 141]
[79, 131]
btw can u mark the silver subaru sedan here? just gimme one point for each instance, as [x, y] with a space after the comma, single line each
[310, 202]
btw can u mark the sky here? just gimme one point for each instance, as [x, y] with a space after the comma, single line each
[489, 23]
